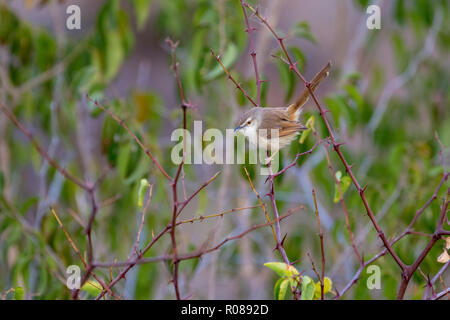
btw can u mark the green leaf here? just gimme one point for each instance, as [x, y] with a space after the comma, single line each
[2, 182]
[302, 30]
[282, 269]
[308, 288]
[228, 59]
[304, 135]
[310, 125]
[281, 288]
[327, 285]
[287, 78]
[344, 183]
[141, 193]
[123, 159]
[18, 293]
[114, 54]
[399, 12]
[92, 287]
[355, 95]
[142, 11]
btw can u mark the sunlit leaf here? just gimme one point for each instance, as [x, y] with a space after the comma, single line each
[92, 287]
[344, 184]
[141, 193]
[304, 135]
[227, 59]
[18, 293]
[308, 288]
[280, 289]
[327, 285]
[282, 269]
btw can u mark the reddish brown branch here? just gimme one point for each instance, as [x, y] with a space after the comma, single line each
[271, 195]
[141, 145]
[72, 243]
[184, 203]
[250, 31]
[41, 151]
[238, 86]
[439, 231]
[294, 162]
[197, 253]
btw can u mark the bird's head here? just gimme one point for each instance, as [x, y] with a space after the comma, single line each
[247, 122]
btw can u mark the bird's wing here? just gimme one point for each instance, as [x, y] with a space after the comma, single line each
[279, 120]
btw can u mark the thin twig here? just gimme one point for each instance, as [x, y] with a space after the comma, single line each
[141, 145]
[322, 250]
[238, 86]
[250, 31]
[147, 204]
[41, 151]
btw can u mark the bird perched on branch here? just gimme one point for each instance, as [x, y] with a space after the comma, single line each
[257, 124]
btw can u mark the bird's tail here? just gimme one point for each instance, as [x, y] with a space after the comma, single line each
[293, 109]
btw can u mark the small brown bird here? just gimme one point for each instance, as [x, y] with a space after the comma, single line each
[257, 123]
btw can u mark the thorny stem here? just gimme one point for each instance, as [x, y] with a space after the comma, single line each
[250, 30]
[406, 276]
[238, 86]
[341, 197]
[271, 195]
[192, 255]
[141, 145]
[72, 243]
[336, 146]
[261, 203]
[39, 149]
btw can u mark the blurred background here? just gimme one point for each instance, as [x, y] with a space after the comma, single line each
[387, 93]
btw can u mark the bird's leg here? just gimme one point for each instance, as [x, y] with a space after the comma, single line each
[269, 159]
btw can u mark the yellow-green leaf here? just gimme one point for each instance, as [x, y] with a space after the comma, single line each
[141, 193]
[304, 135]
[282, 269]
[327, 284]
[310, 122]
[92, 287]
[344, 183]
[18, 293]
[228, 59]
[308, 288]
[281, 288]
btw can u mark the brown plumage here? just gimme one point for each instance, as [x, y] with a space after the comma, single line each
[257, 123]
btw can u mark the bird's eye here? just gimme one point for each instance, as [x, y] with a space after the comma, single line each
[248, 122]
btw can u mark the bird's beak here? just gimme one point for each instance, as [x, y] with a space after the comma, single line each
[237, 129]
